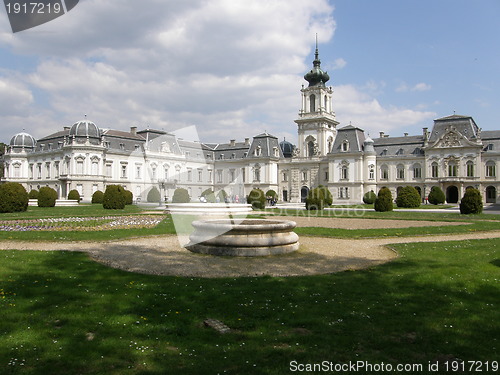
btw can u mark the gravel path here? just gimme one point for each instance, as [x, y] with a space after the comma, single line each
[162, 255]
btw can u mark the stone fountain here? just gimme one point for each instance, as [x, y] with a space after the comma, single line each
[243, 237]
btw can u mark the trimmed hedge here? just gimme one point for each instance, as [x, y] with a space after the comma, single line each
[257, 199]
[13, 197]
[436, 196]
[408, 197]
[181, 195]
[472, 202]
[315, 199]
[271, 193]
[98, 197]
[327, 194]
[209, 195]
[33, 194]
[153, 195]
[383, 203]
[74, 194]
[47, 197]
[114, 198]
[129, 197]
[369, 197]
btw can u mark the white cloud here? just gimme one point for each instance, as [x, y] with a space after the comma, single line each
[403, 87]
[366, 112]
[15, 97]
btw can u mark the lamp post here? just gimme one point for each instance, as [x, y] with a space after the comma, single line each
[161, 183]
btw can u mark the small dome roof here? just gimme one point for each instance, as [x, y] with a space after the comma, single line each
[23, 140]
[85, 128]
[369, 140]
[316, 76]
[286, 148]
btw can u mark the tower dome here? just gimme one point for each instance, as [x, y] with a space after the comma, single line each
[23, 140]
[85, 128]
[286, 148]
[316, 76]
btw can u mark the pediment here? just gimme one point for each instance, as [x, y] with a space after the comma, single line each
[451, 139]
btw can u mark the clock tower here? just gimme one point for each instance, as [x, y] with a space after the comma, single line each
[316, 122]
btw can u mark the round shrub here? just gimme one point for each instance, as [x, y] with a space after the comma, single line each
[209, 195]
[327, 195]
[369, 197]
[33, 194]
[13, 197]
[472, 202]
[383, 203]
[74, 195]
[315, 199]
[436, 196]
[47, 197]
[114, 198]
[181, 195]
[222, 195]
[271, 193]
[153, 195]
[129, 197]
[98, 197]
[257, 199]
[408, 197]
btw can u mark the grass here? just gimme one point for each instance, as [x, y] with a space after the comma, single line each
[61, 313]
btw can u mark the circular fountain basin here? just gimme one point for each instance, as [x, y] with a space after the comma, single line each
[248, 237]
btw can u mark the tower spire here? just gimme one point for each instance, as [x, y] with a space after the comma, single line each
[316, 77]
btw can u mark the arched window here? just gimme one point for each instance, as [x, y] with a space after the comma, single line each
[417, 171]
[384, 172]
[491, 169]
[371, 172]
[256, 173]
[344, 172]
[345, 146]
[470, 169]
[310, 148]
[434, 170]
[326, 103]
[312, 103]
[400, 172]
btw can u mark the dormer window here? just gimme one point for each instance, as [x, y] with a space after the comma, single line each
[122, 146]
[276, 152]
[490, 147]
[401, 151]
[345, 146]
[258, 151]
[221, 157]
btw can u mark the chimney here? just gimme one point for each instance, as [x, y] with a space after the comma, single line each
[426, 133]
[381, 134]
[133, 130]
[232, 142]
[247, 141]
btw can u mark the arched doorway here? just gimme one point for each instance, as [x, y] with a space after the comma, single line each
[491, 194]
[303, 193]
[452, 194]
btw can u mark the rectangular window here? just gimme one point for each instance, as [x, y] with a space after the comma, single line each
[109, 170]
[47, 170]
[138, 172]
[124, 171]
[400, 174]
[56, 166]
[190, 174]
[285, 177]
[304, 176]
[219, 176]
[384, 174]
[326, 175]
[243, 175]
[371, 174]
[200, 175]
[231, 175]
[79, 167]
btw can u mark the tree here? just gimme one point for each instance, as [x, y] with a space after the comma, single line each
[114, 198]
[129, 197]
[383, 203]
[74, 195]
[408, 197]
[472, 202]
[47, 197]
[257, 199]
[98, 197]
[181, 195]
[153, 195]
[436, 196]
[13, 197]
[222, 195]
[369, 197]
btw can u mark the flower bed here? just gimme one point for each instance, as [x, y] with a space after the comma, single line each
[81, 223]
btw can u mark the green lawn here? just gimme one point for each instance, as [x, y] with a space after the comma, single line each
[61, 313]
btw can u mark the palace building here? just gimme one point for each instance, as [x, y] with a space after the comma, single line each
[454, 155]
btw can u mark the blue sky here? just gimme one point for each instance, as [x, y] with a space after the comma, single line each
[235, 68]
